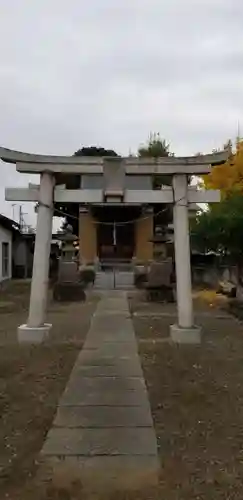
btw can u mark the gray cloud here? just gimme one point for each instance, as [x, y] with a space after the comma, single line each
[109, 72]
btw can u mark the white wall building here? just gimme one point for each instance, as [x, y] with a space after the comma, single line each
[7, 229]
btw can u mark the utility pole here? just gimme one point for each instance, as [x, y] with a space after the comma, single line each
[22, 224]
[238, 131]
[13, 205]
[20, 217]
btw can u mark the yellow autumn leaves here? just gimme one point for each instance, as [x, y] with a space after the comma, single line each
[229, 176]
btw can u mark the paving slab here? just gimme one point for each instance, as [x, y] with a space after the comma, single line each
[111, 311]
[113, 304]
[98, 398]
[112, 324]
[123, 335]
[103, 416]
[120, 369]
[105, 312]
[95, 442]
[115, 349]
[93, 358]
[101, 474]
[107, 319]
[96, 338]
[80, 384]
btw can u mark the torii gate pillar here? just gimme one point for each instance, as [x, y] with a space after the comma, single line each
[36, 329]
[185, 331]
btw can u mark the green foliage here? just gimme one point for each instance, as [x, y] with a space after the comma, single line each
[87, 276]
[155, 148]
[220, 229]
[95, 151]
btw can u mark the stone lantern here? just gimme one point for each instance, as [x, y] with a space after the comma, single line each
[68, 250]
[68, 286]
[160, 241]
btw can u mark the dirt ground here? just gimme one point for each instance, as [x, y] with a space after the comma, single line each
[196, 396]
[32, 379]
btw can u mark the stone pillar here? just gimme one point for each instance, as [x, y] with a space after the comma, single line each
[36, 329]
[144, 233]
[185, 331]
[87, 238]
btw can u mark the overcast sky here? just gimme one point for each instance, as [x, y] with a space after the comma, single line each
[107, 72]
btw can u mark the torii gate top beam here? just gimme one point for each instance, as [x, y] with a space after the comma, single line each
[31, 163]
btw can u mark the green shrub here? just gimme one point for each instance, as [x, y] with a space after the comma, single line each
[87, 276]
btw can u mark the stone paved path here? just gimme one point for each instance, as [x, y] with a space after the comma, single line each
[103, 428]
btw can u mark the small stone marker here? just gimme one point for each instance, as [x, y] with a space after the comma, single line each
[159, 286]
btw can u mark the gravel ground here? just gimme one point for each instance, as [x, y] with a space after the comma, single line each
[196, 396]
[32, 379]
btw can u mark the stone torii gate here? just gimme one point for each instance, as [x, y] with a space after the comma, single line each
[114, 171]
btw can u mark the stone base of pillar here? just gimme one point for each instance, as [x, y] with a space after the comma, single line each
[181, 335]
[33, 335]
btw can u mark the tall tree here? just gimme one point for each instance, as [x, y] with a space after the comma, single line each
[220, 229]
[156, 147]
[73, 182]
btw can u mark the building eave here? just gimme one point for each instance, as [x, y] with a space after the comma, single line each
[9, 224]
